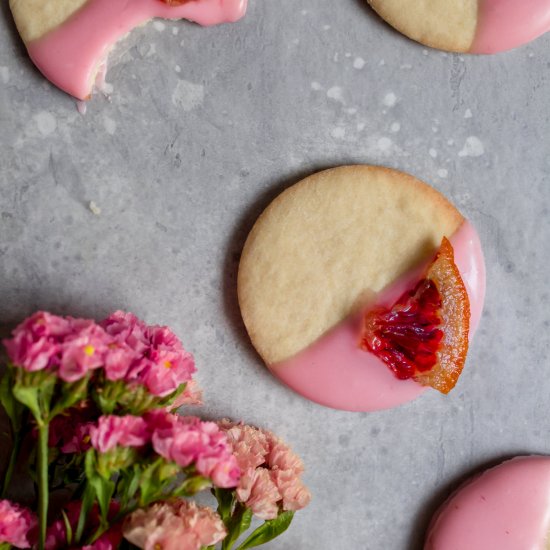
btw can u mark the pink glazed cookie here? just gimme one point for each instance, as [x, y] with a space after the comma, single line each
[474, 26]
[69, 40]
[505, 508]
[326, 254]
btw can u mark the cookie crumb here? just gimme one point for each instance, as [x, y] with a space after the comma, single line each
[94, 208]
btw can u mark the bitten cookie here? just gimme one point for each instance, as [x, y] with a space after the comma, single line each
[69, 40]
[506, 507]
[474, 26]
[327, 264]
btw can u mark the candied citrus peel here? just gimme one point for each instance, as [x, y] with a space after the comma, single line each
[424, 335]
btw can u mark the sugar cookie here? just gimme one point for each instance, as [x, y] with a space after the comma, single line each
[337, 246]
[69, 40]
[474, 26]
[507, 507]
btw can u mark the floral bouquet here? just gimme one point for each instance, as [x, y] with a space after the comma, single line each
[93, 426]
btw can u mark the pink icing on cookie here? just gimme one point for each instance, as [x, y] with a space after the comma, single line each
[334, 372]
[71, 55]
[506, 24]
[505, 508]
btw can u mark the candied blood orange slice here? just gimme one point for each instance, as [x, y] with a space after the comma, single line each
[424, 335]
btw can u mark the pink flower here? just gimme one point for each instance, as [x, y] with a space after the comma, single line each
[123, 431]
[152, 356]
[258, 491]
[70, 431]
[249, 445]
[295, 495]
[270, 471]
[174, 525]
[191, 396]
[187, 440]
[70, 347]
[18, 525]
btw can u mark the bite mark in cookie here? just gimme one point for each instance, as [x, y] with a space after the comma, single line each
[69, 40]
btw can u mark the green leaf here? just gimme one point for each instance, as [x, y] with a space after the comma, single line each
[28, 396]
[192, 486]
[268, 531]
[87, 503]
[104, 488]
[238, 524]
[68, 528]
[8, 401]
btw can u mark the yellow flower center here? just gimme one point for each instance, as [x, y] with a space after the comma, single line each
[168, 364]
[89, 350]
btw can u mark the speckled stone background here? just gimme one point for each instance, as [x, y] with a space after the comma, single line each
[202, 129]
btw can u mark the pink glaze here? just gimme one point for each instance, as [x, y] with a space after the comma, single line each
[506, 24]
[506, 508]
[70, 55]
[335, 372]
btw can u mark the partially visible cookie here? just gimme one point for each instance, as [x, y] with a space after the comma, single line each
[322, 250]
[69, 40]
[504, 508]
[474, 26]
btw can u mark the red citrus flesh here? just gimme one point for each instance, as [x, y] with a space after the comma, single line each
[424, 335]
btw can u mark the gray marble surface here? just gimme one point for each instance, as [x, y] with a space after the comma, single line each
[203, 128]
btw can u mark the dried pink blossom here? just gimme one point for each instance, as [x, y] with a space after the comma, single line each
[174, 525]
[123, 431]
[152, 356]
[270, 471]
[260, 493]
[191, 396]
[188, 440]
[18, 525]
[70, 347]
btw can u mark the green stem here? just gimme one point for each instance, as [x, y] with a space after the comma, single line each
[17, 440]
[43, 493]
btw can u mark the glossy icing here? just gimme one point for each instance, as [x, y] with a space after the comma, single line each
[70, 55]
[334, 372]
[506, 24]
[505, 508]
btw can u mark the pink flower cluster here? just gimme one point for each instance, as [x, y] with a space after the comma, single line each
[152, 356]
[270, 471]
[174, 525]
[18, 525]
[123, 345]
[183, 440]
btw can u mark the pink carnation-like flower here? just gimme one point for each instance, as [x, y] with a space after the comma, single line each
[123, 431]
[70, 347]
[188, 440]
[70, 431]
[191, 396]
[152, 356]
[174, 525]
[270, 471]
[18, 525]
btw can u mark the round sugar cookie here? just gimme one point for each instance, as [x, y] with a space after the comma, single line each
[326, 250]
[474, 26]
[505, 508]
[69, 40]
